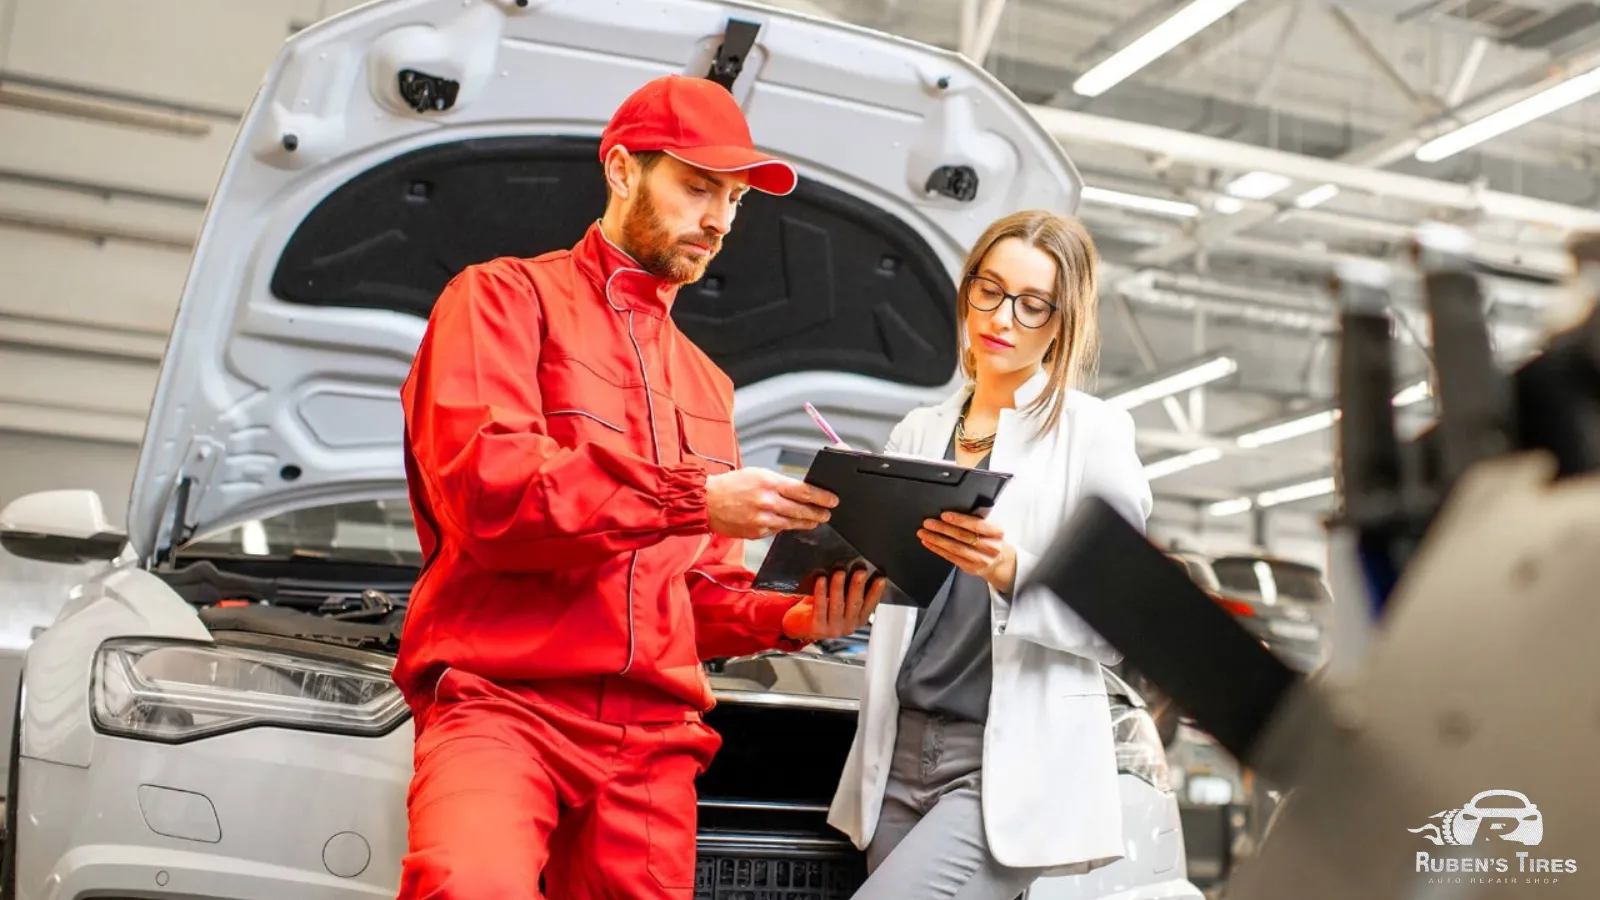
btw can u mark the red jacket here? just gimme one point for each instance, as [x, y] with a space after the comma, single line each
[559, 432]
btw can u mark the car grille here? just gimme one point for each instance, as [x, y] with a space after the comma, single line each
[767, 867]
[763, 818]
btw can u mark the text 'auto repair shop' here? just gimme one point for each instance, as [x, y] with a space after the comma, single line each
[805, 449]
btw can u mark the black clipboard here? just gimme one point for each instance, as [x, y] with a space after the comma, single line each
[883, 501]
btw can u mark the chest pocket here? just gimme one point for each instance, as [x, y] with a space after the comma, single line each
[582, 406]
[708, 442]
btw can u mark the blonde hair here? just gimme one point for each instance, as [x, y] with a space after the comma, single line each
[1074, 354]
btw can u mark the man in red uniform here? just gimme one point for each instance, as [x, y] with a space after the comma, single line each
[578, 492]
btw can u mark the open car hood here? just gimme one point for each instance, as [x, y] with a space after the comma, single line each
[395, 144]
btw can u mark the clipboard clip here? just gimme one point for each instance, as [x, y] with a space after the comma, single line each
[918, 470]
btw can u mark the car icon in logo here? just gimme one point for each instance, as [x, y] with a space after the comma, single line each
[1507, 815]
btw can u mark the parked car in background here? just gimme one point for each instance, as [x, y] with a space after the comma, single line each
[213, 714]
[1285, 604]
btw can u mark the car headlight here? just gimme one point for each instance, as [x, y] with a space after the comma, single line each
[172, 692]
[1139, 750]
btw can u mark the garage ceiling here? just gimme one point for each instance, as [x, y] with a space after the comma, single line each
[118, 118]
[1275, 88]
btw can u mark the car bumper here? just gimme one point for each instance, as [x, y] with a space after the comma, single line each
[1177, 889]
[239, 816]
[1303, 656]
[269, 813]
[144, 871]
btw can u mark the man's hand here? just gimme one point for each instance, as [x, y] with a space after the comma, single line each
[754, 503]
[835, 608]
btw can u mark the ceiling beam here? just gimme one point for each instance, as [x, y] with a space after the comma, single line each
[1269, 79]
[1457, 92]
[1147, 357]
[1397, 146]
[1400, 144]
[1220, 37]
[1380, 63]
[978, 27]
[1071, 127]
[1186, 112]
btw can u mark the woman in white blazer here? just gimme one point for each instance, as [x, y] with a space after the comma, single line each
[983, 755]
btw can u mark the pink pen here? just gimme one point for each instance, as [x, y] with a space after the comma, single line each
[826, 428]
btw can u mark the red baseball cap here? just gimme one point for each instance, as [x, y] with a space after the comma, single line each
[697, 121]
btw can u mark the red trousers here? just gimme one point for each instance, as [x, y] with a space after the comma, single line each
[510, 786]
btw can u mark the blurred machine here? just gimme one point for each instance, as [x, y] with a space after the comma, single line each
[1451, 760]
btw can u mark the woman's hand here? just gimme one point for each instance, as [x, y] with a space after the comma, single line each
[976, 546]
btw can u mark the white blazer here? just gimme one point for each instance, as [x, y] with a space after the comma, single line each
[1049, 781]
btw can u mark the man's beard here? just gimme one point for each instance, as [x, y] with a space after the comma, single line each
[646, 239]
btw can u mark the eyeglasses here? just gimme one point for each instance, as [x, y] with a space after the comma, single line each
[1029, 310]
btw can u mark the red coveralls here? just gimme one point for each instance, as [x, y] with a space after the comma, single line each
[559, 433]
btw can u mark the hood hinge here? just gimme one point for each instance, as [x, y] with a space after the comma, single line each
[737, 42]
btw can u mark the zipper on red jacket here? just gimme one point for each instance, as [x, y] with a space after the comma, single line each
[655, 446]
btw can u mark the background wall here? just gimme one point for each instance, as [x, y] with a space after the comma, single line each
[116, 120]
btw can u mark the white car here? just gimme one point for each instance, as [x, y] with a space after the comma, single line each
[34, 593]
[212, 715]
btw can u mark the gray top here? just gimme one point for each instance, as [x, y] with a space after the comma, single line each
[949, 668]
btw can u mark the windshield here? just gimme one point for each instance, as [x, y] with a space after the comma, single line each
[371, 531]
[1269, 580]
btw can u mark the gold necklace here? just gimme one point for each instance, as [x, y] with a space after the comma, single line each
[971, 445]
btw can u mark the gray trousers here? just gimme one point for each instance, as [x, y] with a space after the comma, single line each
[930, 844]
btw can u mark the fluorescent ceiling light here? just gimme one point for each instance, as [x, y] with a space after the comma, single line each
[1230, 507]
[1516, 115]
[1303, 491]
[1306, 490]
[1140, 202]
[1293, 428]
[1152, 45]
[1317, 196]
[1185, 379]
[1161, 468]
[1258, 185]
[1227, 206]
[1283, 431]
